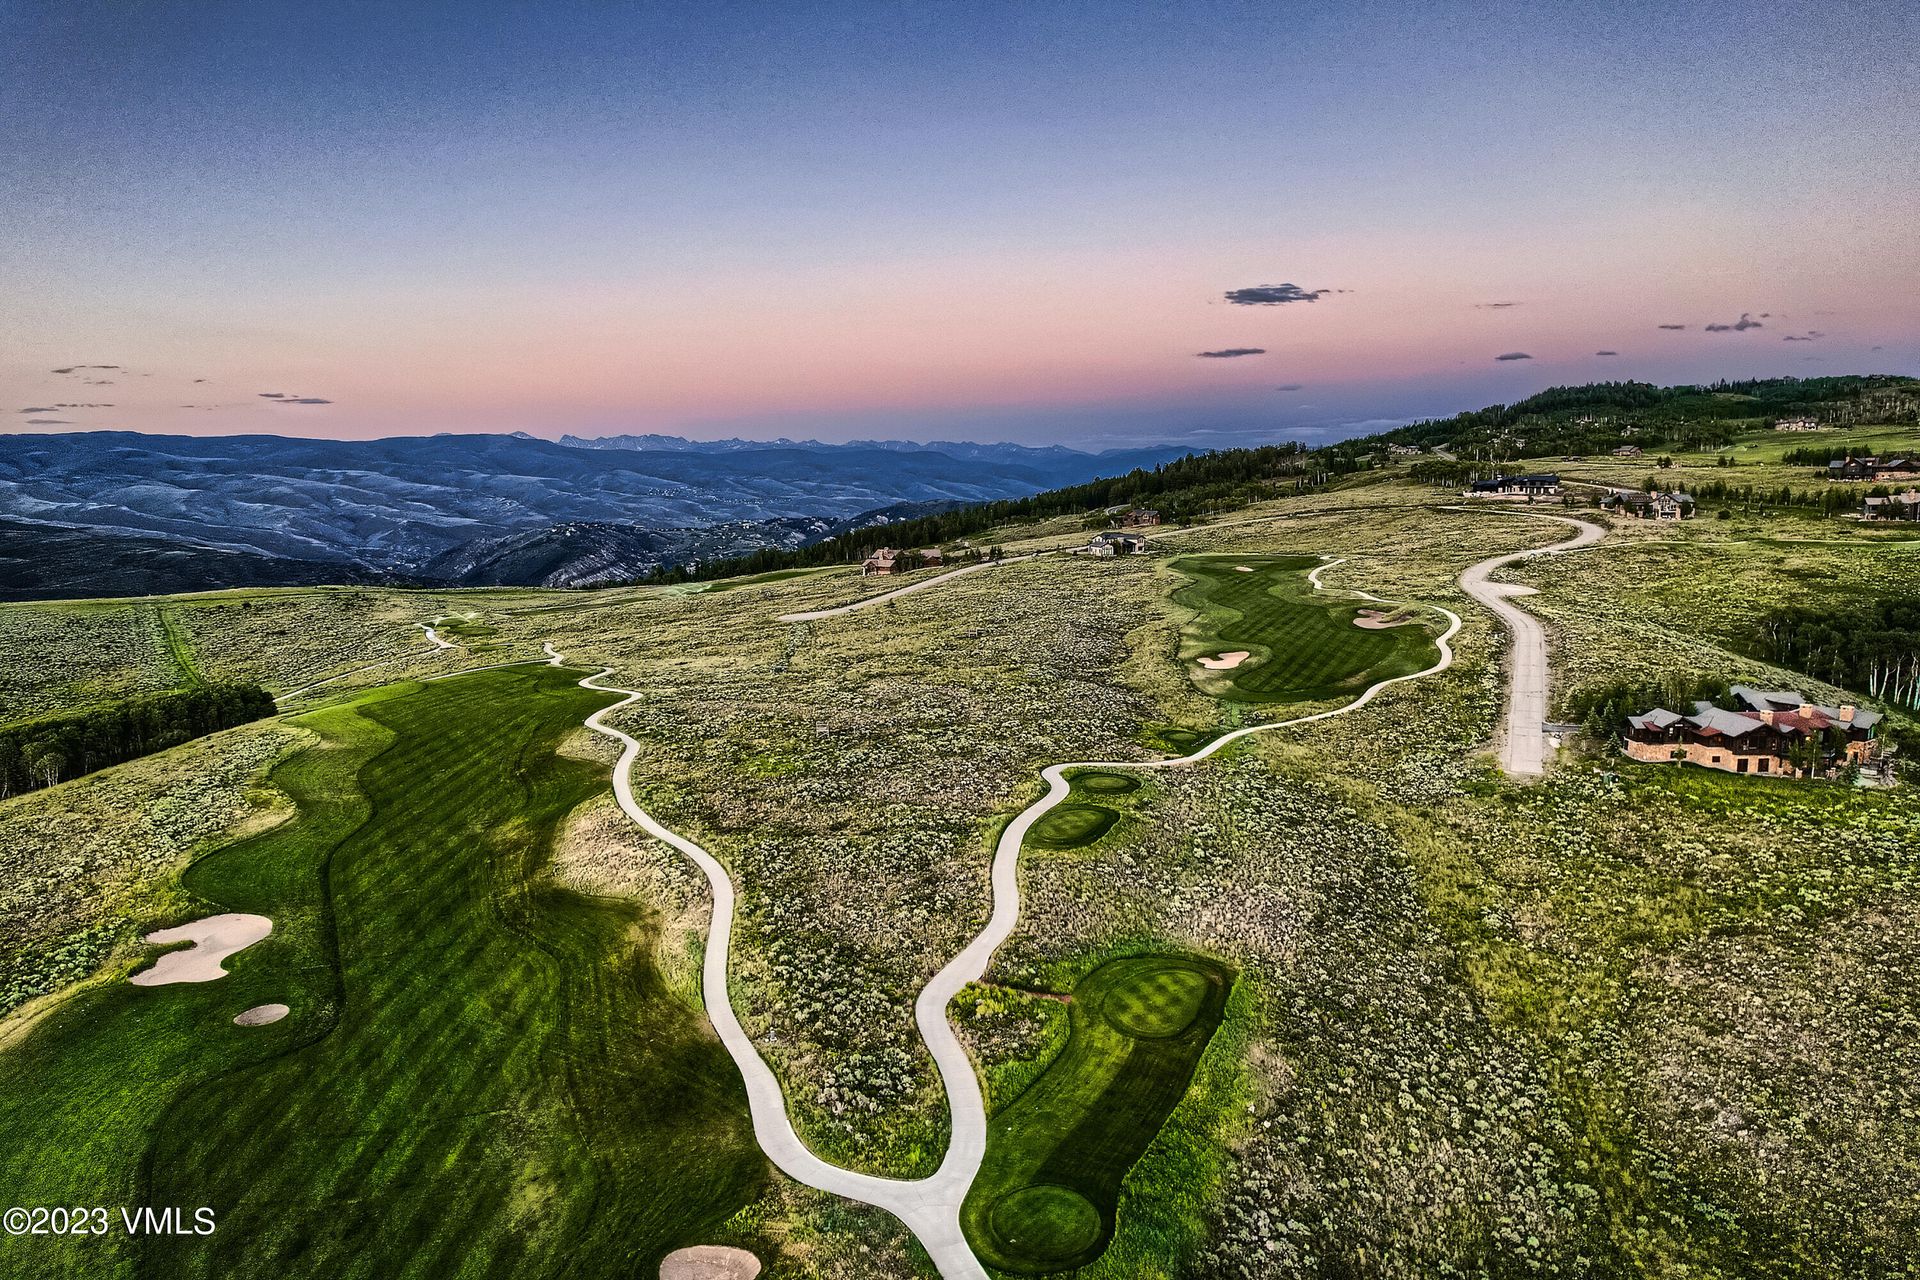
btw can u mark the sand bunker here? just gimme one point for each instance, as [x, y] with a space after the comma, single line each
[709, 1262]
[214, 939]
[1378, 620]
[1243, 568]
[1226, 661]
[260, 1015]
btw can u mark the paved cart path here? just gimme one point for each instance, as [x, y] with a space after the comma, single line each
[1523, 742]
[813, 614]
[929, 1206]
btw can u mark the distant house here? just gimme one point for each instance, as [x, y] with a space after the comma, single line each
[1534, 486]
[1656, 506]
[1896, 469]
[1673, 506]
[885, 562]
[1894, 506]
[1140, 518]
[1873, 468]
[1797, 424]
[931, 558]
[1117, 544]
[1775, 732]
[1628, 451]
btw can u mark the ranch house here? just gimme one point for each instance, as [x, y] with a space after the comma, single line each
[1535, 486]
[1893, 506]
[884, 563]
[1140, 518]
[1775, 732]
[1117, 544]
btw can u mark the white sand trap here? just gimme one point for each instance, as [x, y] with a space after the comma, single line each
[1378, 620]
[1243, 568]
[709, 1262]
[1226, 661]
[260, 1015]
[214, 939]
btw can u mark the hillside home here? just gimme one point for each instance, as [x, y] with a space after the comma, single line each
[1673, 506]
[1140, 518]
[1534, 486]
[1629, 502]
[884, 563]
[1628, 451]
[1873, 468]
[1117, 544]
[1797, 424]
[1894, 506]
[1776, 732]
[931, 558]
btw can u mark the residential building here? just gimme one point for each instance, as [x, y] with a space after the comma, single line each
[1797, 424]
[1534, 486]
[1893, 506]
[1628, 451]
[1775, 732]
[1140, 518]
[884, 562]
[1117, 544]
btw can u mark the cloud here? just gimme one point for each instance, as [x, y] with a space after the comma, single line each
[287, 397]
[1606, 353]
[1292, 386]
[1493, 306]
[1744, 323]
[1274, 295]
[274, 395]
[306, 400]
[1229, 353]
[1514, 355]
[48, 422]
[74, 368]
[41, 409]
[1673, 326]
[1808, 336]
[1795, 338]
[199, 379]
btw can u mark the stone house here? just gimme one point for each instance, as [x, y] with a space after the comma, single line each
[1776, 732]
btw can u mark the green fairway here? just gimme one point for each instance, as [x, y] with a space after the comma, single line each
[482, 1075]
[1302, 646]
[1107, 784]
[1070, 826]
[1045, 1198]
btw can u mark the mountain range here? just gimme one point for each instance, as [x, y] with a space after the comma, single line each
[464, 509]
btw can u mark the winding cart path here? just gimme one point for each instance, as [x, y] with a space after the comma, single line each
[929, 1206]
[1523, 739]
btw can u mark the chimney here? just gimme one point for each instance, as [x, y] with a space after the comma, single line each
[1846, 715]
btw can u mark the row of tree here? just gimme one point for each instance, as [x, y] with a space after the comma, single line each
[1872, 647]
[40, 753]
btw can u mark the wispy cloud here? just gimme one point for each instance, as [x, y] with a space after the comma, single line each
[1808, 336]
[1274, 295]
[1229, 353]
[1606, 353]
[1673, 326]
[287, 397]
[1514, 355]
[1493, 306]
[75, 368]
[48, 422]
[1292, 386]
[1744, 323]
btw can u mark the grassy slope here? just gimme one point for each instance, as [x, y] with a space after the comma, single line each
[1304, 648]
[481, 1066]
[1057, 1154]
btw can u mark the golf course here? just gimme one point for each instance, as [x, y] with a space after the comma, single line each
[1045, 1197]
[1284, 641]
[482, 1064]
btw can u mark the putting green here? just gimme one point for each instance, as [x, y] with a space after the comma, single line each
[1048, 1221]
[483, 1072]
[1157, 1002]
[1111, 784]
[1304, 645]
[1070, 826]
[1137, 1027]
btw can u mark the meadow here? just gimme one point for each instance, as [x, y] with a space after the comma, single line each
[454, 1008]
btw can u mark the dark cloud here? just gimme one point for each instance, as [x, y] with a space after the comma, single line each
[1494, 306]
[1229, 353]
[48, 422]
[274, 395]
[74, 368]
[1606, 353]
[41, 409]
[306, 400]
[1292, 386]
[1514, 355]
[1274, 295]
[287, 397]
[199, 379]
[1673, 326]
[1744, 323]
[1808, 336]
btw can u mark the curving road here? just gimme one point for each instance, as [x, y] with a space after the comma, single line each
[929, 1206]
[909, 589]
[1523, 743]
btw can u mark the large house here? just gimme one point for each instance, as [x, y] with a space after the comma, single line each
[1797, 424]
[1894, 506]
[1775, 732]
[1872, 468]
[1535, 486]
[1655, 506]
[1117, 544]
[1140, 518]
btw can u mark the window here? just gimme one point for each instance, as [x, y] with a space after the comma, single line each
[1716, 759]
[1763, 766]
[1743, 764]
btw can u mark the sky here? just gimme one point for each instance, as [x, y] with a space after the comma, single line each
[1086, 224]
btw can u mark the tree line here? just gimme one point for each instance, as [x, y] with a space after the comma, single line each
[40, 753]
[1872, 647]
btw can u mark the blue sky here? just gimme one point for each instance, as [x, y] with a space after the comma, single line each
[937, 220]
